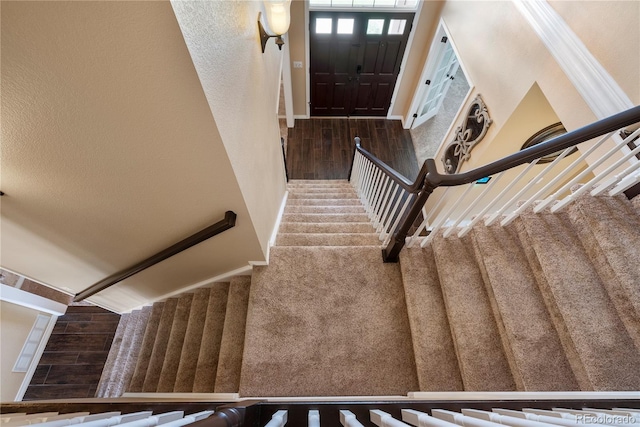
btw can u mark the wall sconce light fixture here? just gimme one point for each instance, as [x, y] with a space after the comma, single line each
[278, 18]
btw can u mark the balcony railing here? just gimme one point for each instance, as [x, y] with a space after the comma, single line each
[394, 203]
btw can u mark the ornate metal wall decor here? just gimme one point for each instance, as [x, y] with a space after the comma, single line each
[467, 136]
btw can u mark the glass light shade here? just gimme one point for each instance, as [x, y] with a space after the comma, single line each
[278, 15]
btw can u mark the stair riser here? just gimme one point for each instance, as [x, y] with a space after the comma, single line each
[313, 218]
[324, 202]
[325, 209]
[323, 195]
[301, 239]
[303, 227]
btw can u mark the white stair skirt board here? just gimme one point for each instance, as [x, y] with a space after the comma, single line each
[184, 396]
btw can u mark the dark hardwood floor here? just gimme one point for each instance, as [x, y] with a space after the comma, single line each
[73, 359]
[323, 148]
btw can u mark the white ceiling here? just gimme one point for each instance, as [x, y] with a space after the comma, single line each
[110, 152]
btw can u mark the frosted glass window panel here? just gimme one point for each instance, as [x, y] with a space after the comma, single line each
[384, 3]
[362, 3]
[375, 26]
[323, 25]
[345, 26]
[409, 4]
[319, 3]
[396, 27]
[341, 3]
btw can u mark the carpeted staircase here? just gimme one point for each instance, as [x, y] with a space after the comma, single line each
[550, 302]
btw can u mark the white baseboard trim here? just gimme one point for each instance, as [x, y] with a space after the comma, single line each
[183, 396]
[29, 300]
[401, 118]
[524, 395]
[301, 117]
[242, 271]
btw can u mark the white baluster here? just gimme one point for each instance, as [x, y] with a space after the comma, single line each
[189, 419]
[582, 174]
[381, 200]
[577, 162]
[531, 183]
[625, 180]
[420, 419]
[462, 420]
[347, 419]
[597, 179]
[279, 419]
[377, 177]
[513, 183]
[425, 222]
[442, 221]
[314, 418]
[383, 419]
[386, 216]
[398, 218]
[503, 419]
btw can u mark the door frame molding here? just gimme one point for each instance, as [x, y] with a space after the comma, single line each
[428, 67]
[407, 49]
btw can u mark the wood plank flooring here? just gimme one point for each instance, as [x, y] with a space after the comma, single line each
[73, 359]
[323, 148]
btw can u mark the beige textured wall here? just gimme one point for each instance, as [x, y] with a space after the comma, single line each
[504, 56]
[111, 153]
[15, 325]
[297, 46]
[611, 31]
[242, 87]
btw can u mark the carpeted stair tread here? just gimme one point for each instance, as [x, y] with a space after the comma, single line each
[607, 357]
[325, 239]
[535, 353]
[324, 209]
[114, 388]
[174, 344]
[317, 191]
[326, 217]
[611, 245]
[232, 342]
[146, 348]
[353, 302]
[436, 362]
[186, 372]
[108, 372]
[351, 195]
[317, 181]
[324, 202]
[481, 357]
[210, 347]
[326, 227]
[635, 203]
[160, 346]
[136, 346]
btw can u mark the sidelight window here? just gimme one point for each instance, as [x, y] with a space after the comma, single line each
[396, 27]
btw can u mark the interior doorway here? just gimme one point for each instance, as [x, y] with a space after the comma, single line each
[355, 60]
[437, 103]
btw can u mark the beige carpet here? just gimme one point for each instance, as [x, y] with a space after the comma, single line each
[327, 321]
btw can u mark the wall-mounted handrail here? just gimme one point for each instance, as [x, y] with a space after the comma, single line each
[429, 178]
[228, 222]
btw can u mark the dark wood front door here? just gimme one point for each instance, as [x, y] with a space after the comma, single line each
[355, 61]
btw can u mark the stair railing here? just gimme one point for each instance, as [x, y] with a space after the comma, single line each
[394, 203]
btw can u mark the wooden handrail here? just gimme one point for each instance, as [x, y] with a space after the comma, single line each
[228, 222]
[429, 178]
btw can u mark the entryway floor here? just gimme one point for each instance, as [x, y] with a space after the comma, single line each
[323, 148]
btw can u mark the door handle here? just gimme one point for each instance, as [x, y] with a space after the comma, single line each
[358, 69]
